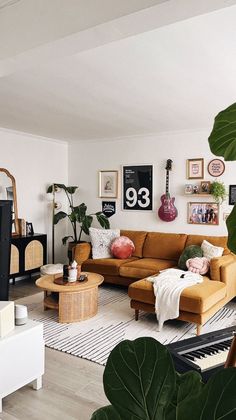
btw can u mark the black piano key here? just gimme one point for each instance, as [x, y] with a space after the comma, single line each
[189, 357]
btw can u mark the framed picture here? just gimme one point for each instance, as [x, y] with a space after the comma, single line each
[203, 213]
[137, 187]
[108, 184]
[196, 189]
[188, 189]
[29, 228]
[195, 168]
[216, 167]
[232, 195]
[205, 187]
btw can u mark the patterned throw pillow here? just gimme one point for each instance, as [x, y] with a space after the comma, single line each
[211, 251]
[101, 240]
[122, 247]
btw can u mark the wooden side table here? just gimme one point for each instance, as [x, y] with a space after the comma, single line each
[21, 358]
[76, 302]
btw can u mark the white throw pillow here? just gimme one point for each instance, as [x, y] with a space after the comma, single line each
[101, 240]
[211, 251]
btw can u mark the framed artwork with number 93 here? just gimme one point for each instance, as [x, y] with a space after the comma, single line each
[137, 187]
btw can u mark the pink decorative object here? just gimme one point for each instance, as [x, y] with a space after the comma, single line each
[122, 247]
[198, 265]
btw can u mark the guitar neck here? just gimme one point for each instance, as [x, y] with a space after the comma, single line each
[167, 182]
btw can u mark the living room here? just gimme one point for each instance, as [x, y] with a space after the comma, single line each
[99, 86]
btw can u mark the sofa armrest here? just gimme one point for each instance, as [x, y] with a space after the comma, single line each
[82, 252]
[217, 263]
[228, 276]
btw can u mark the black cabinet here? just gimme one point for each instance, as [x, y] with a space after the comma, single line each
[28, 254]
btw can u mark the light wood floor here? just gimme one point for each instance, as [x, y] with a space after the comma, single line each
[72, 387]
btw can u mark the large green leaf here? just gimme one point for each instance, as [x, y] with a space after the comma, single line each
[71, 190]
[139, 379]
[86, 223]
[222, 139]
[190, 383]
[106, 413]
[59, 216]
[103, 220]
[80, 212]
[231, 226]
[217, 401]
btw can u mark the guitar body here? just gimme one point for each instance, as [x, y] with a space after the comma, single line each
[167, 212]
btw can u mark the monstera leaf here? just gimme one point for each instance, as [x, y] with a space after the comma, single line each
[222, 139]
[139, 379]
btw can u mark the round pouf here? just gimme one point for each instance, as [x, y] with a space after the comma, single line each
[122, 247]
[51, 269]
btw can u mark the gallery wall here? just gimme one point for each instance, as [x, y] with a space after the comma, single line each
[87, 158]
[35, 163]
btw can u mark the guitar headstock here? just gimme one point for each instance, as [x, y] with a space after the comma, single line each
[169, 164]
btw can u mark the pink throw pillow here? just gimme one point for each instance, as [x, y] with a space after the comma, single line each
[122, 247]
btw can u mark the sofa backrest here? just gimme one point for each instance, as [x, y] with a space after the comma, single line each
[214, 240]
[138, 238]
[166, 246]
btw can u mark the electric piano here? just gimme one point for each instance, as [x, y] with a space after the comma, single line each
[206, 353]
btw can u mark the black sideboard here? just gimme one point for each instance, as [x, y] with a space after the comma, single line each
[28, 254]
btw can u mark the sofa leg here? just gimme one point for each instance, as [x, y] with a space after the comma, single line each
[199, 327]
[136, 314]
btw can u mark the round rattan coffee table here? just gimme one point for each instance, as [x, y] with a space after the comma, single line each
[76, 302]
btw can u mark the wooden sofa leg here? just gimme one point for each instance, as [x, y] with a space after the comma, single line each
[136, 314]
[199, 327]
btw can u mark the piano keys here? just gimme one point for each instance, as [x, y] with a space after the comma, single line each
[206, 353]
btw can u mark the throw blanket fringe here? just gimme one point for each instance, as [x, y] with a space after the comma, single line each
[168, 286]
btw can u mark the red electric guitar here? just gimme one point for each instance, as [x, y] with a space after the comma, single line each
[167, 211]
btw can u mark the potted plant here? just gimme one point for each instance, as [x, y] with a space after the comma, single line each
[222, 142]
[141, 383]
[77, 215]
[218, 190]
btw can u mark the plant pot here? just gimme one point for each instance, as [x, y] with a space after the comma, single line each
[71, 246]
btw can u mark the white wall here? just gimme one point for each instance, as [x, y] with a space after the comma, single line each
[87, 158]
[35, 163]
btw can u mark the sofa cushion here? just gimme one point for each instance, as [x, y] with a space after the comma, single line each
[144, 267]
[101, 240]
[191, 251]
[104, 266]
[166, 246]
[138, 238]
[196, 299]
[214, 240]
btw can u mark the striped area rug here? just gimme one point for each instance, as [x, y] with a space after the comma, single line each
[94, 338]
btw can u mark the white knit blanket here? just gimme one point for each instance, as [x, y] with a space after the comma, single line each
[168, 286]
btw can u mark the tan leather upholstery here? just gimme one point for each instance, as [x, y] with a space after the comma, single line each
[104, 266]
[196, 299]
[214, 240]
[166, 246]
[138, 238]
[144, 267]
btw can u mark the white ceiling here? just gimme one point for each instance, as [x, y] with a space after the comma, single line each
[176, 77]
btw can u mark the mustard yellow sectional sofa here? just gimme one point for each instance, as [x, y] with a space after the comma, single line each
[155, 251]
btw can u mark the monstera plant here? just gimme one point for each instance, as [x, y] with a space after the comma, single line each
[77, 215]
[141, 384]
[222, 141]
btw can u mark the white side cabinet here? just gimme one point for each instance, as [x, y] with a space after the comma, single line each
[21, 358]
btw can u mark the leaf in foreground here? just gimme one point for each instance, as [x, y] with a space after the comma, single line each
[139, 379]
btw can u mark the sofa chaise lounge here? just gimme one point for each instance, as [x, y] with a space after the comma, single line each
[155, 251]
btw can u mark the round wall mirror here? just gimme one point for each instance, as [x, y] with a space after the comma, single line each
[8, 192]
